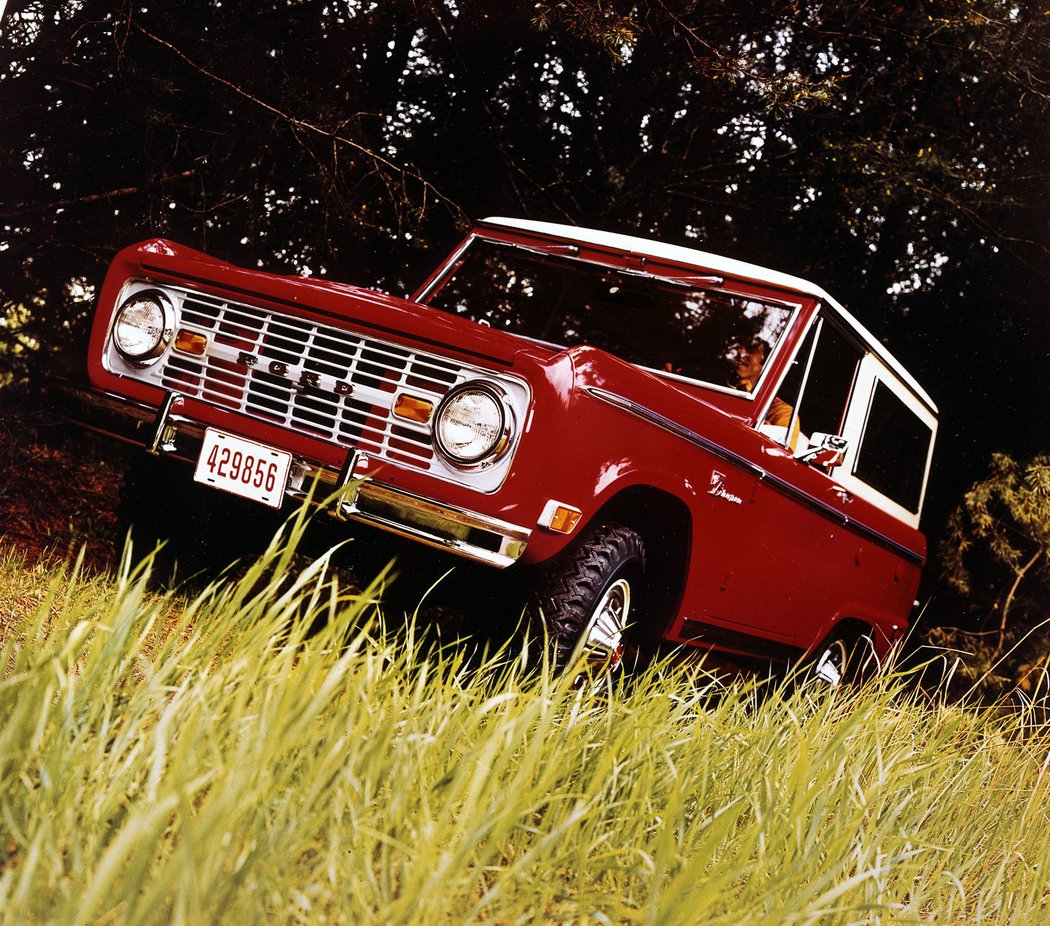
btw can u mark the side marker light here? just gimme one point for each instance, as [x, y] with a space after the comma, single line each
[559, 517]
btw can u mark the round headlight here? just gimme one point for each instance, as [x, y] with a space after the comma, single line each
[143, 326]
[472, 424]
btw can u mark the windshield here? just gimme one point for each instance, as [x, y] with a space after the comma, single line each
[661, 324]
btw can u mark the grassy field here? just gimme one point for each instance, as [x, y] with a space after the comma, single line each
[269, 752]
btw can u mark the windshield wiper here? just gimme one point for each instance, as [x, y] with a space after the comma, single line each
[677, 279]
[561, 249]
[566, 250]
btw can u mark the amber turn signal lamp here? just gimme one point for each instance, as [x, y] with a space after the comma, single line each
[412, 409]
[190, 342]
[559, 517]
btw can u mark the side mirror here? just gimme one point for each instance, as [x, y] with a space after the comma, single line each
[824, 450]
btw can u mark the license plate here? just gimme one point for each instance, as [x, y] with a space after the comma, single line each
[243, 467]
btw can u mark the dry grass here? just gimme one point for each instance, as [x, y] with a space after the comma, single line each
[268, 751]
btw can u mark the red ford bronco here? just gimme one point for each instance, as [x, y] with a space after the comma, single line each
[669, 444]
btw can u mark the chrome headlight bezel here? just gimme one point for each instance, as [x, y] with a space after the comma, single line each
[161, 332]
[502, 429]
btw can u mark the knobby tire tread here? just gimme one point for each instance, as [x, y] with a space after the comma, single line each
[573, 585]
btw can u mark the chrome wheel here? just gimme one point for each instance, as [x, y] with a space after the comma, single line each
[830, 666]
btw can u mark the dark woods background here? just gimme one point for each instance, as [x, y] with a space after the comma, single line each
[895, 153]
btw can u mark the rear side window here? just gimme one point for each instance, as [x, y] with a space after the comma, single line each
[893, 452]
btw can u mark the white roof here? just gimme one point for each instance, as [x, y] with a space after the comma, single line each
[723, 265]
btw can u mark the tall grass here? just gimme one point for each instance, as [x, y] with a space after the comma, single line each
[269, 752]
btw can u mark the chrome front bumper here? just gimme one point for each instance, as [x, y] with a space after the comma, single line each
[354, 495]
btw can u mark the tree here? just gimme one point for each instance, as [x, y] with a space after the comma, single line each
[996, 553]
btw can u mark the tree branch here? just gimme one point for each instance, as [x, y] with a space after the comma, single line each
[96, 197]
[1021, 573]
[377, 159]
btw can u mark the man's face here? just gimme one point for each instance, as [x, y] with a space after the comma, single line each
[747, 362]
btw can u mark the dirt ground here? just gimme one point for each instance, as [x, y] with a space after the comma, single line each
[58, 487]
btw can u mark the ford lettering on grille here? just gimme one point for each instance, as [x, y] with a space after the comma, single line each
[302, 379]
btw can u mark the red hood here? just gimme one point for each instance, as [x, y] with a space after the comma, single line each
[389, 315]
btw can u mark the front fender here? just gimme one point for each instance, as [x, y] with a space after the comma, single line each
[585, 452]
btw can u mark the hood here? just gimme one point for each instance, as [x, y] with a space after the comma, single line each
[397, 317]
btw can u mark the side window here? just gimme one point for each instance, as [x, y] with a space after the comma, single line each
[823, 404]
[894, 449]
[818, 387]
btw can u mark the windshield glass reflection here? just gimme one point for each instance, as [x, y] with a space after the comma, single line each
[664, 325]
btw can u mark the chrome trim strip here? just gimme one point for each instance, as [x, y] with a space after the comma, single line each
[775, 482]
[611, 398]
[434, 524]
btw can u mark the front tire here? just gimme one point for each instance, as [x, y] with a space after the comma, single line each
[589, 597]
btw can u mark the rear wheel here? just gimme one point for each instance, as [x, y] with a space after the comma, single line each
[588, 598]
[844, 659]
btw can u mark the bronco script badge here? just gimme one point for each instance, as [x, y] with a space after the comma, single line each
[719, 490]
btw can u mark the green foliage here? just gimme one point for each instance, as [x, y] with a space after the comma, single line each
[215, 761]
[15, 346]
[600, 22]
[1008, 512]
[995, 552]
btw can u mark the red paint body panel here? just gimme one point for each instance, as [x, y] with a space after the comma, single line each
[776, 553]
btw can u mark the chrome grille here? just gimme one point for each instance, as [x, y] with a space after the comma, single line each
[298, 362]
